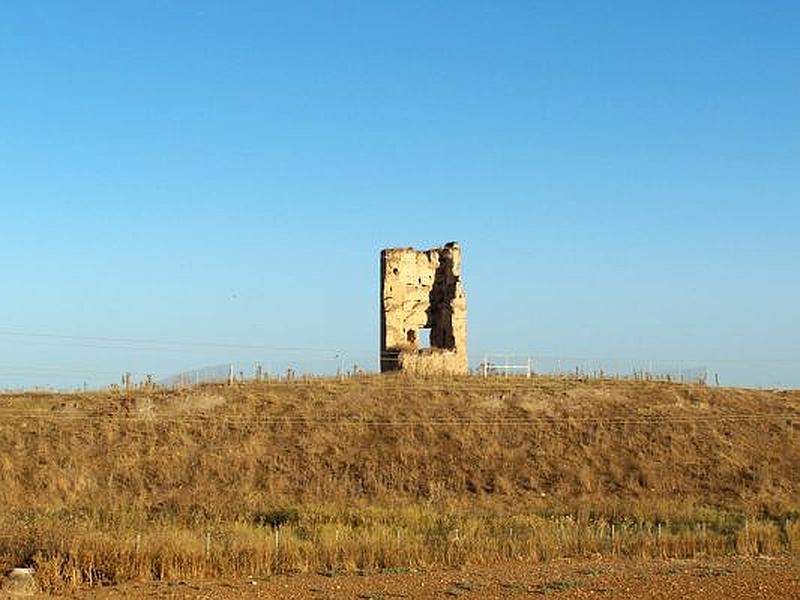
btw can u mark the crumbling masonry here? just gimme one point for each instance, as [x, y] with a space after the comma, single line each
[422, 290]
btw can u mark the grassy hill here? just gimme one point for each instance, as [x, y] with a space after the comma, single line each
[390, 472]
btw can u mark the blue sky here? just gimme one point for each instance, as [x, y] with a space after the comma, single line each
[624, 178]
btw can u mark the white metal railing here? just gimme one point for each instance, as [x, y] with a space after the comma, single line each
[492, 364]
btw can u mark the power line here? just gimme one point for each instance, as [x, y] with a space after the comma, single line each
[632, 359]
[164, 342]
[136, 343]
[156, 418]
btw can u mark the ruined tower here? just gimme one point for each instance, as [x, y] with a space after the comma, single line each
[422, 296]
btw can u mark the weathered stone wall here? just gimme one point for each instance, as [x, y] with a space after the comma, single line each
[422, 290]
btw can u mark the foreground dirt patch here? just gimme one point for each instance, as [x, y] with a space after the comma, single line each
[733, 578]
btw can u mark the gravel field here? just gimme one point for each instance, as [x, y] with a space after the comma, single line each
[733, 578]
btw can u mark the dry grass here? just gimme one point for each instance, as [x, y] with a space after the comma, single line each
[335, 540]
[387, 473]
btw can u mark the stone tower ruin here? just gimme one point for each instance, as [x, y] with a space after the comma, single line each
[421, 293]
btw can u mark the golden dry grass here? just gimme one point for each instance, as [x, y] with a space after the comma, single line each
[387, 472]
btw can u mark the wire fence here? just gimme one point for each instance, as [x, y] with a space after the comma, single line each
[305, 365]
[496, 365]
[260, 371]
[594, 368]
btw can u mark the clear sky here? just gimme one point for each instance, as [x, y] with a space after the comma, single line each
[624, 178]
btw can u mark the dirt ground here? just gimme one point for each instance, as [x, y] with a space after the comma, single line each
[730, 578]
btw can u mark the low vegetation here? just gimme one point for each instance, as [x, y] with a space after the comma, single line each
[384, 474]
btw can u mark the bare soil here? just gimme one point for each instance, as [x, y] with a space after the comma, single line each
[729, 578]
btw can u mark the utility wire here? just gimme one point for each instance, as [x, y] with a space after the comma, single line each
[156, 418]
[133, 342]
[163, 342]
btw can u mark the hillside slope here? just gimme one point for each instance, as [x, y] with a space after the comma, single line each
[543, 443]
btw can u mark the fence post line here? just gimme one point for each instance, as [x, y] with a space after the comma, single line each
[503, 364]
